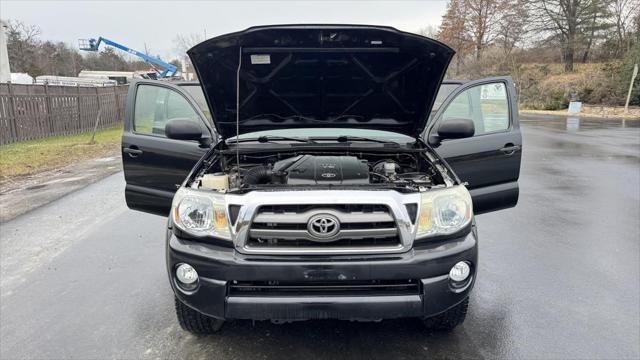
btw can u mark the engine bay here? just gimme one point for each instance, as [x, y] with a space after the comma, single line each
[317, 169]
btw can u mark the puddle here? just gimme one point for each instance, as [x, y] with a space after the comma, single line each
[62, 180]
[575, 124]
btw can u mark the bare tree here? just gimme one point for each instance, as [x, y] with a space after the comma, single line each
[27, 33]
[513, 26]
[452, 31]
[483, 18]
[22, 46]
[590, 36]
[184, 42]
[565, 19]
[57, 58]
[622, 15]
[429, 31]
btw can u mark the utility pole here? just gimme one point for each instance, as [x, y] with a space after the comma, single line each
[633, 79]
[5, 71]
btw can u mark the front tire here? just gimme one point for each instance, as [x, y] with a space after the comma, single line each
[449, 319]
[195, 322]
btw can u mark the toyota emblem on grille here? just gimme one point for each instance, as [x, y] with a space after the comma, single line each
[323, 226]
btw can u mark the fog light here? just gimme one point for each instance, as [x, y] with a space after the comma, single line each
[460, 271]
[186, 274]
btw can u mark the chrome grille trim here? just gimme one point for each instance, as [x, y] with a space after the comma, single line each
[302, 218]
[304, 234]
[393, 201]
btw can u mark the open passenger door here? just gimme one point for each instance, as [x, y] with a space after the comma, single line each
[490, 160]
[154, 165]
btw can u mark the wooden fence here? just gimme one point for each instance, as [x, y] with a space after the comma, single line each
[30, 112]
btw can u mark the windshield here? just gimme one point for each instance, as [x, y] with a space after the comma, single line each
[330, 133]
[196, 93]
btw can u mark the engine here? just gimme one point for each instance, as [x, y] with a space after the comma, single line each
[322, 170]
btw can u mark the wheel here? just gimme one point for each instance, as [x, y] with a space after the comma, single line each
[194, 322]
[449, 319]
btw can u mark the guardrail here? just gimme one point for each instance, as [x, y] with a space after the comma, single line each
[30, 112]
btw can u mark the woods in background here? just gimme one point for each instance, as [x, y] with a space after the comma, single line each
[558, 30]
[29, 54]
[554, 30]
[554, 49]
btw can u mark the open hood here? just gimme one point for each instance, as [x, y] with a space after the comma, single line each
[338, 76]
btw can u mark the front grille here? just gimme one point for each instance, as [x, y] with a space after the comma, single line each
[300, 208]
[325, 288]
[344, 226]
[285, 227]
[303, 243]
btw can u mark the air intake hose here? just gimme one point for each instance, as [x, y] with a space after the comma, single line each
[258, 175]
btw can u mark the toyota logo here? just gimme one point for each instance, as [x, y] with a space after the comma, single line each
[323, 226]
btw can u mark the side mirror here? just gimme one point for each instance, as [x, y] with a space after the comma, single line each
[183, 129]
[453, 128]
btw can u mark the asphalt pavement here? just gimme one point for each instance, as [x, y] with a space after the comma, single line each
[84, 277]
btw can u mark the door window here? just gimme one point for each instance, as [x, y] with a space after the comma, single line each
[487, 105]
[155, 105]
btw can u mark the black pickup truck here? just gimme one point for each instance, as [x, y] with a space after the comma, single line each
[314, 172]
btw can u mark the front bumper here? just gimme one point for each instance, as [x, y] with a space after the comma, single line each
[218, 267]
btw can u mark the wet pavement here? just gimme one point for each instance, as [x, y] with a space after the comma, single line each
[30, 192]
[559, 275]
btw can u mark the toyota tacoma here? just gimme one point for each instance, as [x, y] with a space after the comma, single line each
[320, 172]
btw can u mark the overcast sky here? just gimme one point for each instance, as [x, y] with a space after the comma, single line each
[156, 23]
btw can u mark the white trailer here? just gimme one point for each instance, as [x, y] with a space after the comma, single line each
[74, 81]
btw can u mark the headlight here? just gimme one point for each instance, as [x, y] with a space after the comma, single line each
[200, 214]
[444, 211]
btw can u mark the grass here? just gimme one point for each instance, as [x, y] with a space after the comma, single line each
[34, 156]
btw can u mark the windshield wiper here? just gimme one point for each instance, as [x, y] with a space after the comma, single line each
[305, 118]
[345, 138]
[266, 138]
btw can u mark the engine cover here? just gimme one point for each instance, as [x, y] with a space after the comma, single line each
[323, 170]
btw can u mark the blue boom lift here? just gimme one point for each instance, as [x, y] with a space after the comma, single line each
[93, 45]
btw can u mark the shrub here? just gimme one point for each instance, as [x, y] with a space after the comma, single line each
[623, 76]
[545, 89]
[549, 87]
